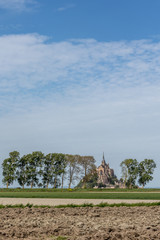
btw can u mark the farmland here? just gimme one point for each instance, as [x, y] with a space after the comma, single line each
[142, 194]
[80, 223]
[83, 222]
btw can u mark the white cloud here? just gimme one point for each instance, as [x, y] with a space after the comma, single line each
[80, 96]
[18, 5]
[66, 7]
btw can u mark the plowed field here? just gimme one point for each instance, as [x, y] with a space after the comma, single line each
[80, 223]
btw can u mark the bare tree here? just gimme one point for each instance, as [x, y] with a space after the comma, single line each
[73, 168]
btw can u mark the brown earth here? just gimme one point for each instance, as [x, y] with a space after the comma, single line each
[80, 223]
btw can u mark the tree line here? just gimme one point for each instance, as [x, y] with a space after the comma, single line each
[40, 170]
[134, 172]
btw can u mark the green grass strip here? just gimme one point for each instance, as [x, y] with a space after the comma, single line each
[78, 190]
[142, 204]
[83, 195]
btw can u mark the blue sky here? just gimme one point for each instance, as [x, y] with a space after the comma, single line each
[104, 20]
[81, 77]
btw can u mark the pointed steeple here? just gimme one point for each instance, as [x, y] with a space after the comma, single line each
[103, 160]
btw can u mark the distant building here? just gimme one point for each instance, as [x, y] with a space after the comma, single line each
[106, 175]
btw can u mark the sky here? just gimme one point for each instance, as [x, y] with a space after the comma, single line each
[81, 77]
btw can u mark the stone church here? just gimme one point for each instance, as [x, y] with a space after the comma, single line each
[106, 174]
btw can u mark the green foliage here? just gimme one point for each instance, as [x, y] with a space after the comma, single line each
[145, 171]
[129, 172]
[54, 165]
[33, 168]
[74, 170]
[112, 180]
[90, 180]
[48, 170]
[9, 166]
[22, 170]
[102, 204]
[101, 185]
[36, 169]
[88, 166]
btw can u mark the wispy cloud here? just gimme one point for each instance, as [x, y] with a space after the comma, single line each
[87, 63]
[66, 7]
[80, 96]
[10, 27]
[17, 5]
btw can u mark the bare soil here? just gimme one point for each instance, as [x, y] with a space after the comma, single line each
[80, 223]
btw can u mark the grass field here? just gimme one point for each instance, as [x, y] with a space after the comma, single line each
[83, 195]
[79, 190]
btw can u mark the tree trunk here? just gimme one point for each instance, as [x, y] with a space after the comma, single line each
[7, 184]
[70, 177]
[55, 182]
[31, 185]
[85, 173]
[62, 181]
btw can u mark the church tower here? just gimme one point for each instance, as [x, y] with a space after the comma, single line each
[105, 173]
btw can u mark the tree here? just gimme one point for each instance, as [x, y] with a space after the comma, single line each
[59, 167]
[91, 180]
[73, 168]
[33, 168]
[48, 170]
[22, 173]
[129, 172]
[63, 169]
[145, 171]
[54, 166]
[9, 166]
[88, 166]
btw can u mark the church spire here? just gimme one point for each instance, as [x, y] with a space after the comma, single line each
[103, 157]
[103, 160]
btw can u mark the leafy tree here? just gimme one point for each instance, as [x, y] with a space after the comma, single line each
[88, 166]
[145, 171]
[22, 167]
[91, 180]
[54, 166]
[73, 168]
[48, 171]
[124, 171]
[63, 169]
[129, 172]
[9, 166]
[33, 168]
[59, 167]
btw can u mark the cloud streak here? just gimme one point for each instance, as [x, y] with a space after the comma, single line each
[66, 7]
[17, 5]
